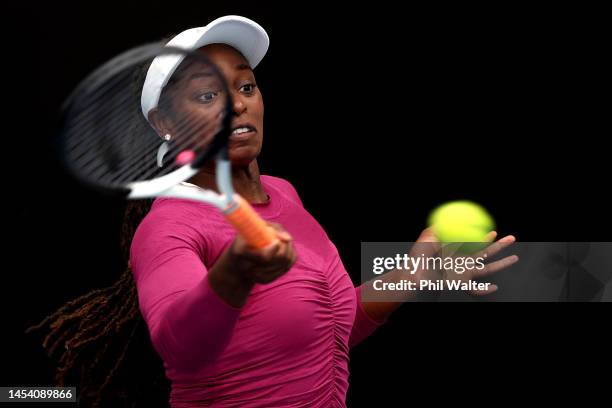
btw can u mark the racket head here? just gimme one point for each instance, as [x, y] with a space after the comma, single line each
[106, 142]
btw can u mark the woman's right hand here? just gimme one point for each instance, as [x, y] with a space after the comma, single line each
[264, 265]
[240, 267]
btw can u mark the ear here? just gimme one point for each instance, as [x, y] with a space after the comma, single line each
[160, 122]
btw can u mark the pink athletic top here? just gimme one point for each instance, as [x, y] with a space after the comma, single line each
[288, 346]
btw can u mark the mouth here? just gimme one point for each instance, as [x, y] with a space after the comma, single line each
[242, 131]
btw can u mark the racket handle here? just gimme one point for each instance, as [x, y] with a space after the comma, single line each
[250, 225]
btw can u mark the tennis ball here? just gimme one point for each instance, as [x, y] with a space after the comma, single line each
[462, 222]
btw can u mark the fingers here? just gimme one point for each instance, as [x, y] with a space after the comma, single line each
[427, 244]
[490, 269]
[266, 271]
[497, 246]
[268, 264]
[492, 288]
[281, 232]
[286, 255]
[290, 255]
[496, 266]
[287, 251]
[427, 235]
[490, 237]
[261, 255]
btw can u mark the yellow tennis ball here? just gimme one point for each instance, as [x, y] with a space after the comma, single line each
[462, 221]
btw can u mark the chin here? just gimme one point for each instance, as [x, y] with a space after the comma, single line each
[243, 156]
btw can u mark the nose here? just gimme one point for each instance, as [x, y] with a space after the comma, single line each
[239, 105]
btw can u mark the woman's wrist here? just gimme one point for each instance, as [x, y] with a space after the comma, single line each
[229, 281]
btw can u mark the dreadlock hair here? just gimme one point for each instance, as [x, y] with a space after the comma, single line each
[100, 340]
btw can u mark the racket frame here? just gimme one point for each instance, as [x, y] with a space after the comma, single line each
[236, 209]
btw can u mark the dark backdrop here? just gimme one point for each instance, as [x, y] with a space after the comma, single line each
[376, 114]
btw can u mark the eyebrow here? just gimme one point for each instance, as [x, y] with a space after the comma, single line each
[206, 74]
[201, 74]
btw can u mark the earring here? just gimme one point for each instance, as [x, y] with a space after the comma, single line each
[163, 149]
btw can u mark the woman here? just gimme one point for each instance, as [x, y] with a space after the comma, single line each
[234, 326]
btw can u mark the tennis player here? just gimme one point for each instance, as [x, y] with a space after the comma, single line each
[234, 326]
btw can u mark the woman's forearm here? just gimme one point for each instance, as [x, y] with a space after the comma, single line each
[229, 282]
[381, 310]
[199, 324]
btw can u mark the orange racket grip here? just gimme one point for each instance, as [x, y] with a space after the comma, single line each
[249, 224]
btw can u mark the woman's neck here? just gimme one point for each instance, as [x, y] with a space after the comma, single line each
[245, 180]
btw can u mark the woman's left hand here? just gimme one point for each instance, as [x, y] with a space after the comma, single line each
[433, 247]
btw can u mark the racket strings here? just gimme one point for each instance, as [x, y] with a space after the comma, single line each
[93, 161]
[92, 104]
[143, 157]
[144, 160]
[150, 164]
[108, 142]
[99, 122]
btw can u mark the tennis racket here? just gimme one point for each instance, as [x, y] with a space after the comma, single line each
[106, 142]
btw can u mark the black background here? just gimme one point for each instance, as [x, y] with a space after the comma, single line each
[376, 114]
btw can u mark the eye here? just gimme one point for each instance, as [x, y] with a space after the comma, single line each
[248, 88]
[207, 97]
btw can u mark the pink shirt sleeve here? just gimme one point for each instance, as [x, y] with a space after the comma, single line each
[364, 325]
[190, 324]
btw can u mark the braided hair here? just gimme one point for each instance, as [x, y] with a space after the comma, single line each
[99, 340]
